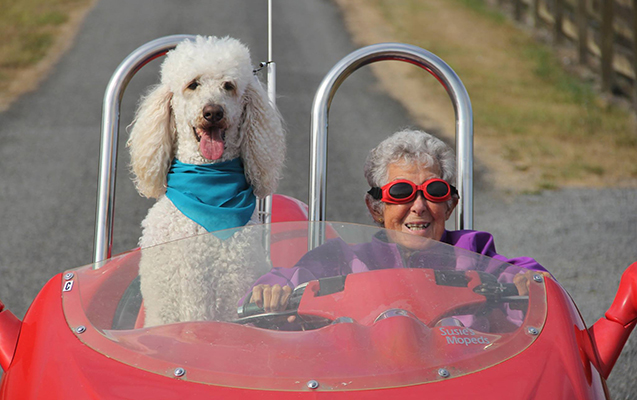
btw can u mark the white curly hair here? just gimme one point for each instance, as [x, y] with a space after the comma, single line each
[408, 147]
[206, 71]
[209, 107]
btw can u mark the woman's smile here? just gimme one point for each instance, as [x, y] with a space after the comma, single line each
[417, 227]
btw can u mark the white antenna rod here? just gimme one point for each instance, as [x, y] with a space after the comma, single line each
[271, 64]
[265, 204]
[269, 30]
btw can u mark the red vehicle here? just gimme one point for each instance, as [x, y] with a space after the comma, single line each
[455, 327]
[449, 329]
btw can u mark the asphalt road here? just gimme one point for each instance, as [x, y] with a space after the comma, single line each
[49, 144]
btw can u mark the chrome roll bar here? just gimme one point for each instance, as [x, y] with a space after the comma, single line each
[105, 209]
[399, 52]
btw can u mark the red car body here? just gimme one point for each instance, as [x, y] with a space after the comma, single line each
[45, 355]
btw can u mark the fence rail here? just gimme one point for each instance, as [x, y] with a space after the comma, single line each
[604, 32]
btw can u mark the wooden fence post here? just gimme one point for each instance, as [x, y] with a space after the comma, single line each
[608, 38]
[558, 7]
[535, 11]
[635, 53]
[582, 30]
[518, 10]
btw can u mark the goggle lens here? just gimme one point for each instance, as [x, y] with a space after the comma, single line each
[401, 190]
[437, 189]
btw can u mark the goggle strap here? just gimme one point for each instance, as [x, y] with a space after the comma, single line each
[376, 193]
[453, 190]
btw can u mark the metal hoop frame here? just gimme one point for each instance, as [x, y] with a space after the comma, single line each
[398, 52]
[105, 208]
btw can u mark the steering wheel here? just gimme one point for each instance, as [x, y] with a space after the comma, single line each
[450, 291]
[251, 313]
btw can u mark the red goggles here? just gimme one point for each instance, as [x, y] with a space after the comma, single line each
[403, 191]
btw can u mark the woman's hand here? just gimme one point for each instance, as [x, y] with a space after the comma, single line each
[271, 297]
[523, 281]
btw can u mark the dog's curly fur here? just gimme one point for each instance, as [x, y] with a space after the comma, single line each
[207, 94]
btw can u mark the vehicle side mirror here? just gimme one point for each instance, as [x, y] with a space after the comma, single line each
[609, 334]
[9, 331]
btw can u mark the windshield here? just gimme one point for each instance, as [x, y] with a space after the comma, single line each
[368, 308]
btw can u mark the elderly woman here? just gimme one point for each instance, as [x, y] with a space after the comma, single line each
[411, 175]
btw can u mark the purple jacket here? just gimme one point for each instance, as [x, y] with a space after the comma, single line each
[336, 257]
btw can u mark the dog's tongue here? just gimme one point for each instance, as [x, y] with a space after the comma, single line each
[211, 145]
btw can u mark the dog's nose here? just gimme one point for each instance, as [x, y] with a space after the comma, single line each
[213, 113]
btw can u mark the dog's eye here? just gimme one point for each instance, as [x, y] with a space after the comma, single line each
[193, 85]
[229, 86]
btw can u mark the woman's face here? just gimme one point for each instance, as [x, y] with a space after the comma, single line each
[420, 217]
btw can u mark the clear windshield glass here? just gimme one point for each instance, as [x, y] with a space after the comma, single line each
[368, 308]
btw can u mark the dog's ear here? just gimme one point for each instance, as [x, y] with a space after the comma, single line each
[263, 140]
[151, 142]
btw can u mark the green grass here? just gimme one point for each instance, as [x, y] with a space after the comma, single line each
[29, 28]
[483, 9]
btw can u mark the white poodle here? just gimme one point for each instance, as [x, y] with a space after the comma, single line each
[209, 113]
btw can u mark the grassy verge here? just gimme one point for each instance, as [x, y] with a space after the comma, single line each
[536, 126]
[30, 29]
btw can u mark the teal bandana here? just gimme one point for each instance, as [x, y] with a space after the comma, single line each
[216, 196]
